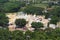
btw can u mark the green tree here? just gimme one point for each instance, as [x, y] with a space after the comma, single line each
[3, 1]
[12, 6]
[3, 20]
[4, 34]
[38, 35]
[8, 35]
[20, 22]
[55, 11]
[54, 20]
[17, 35]
[50, 4]
[33, 10]
[28, 35]
[36, 25]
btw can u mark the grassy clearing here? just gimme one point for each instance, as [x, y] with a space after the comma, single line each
[40, 5]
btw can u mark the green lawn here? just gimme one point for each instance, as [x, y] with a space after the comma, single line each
[40, 5]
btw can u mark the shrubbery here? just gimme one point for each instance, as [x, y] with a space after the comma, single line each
[5, 34]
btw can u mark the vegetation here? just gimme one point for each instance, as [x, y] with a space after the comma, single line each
[55, 11]
[3, 1]
[20, 22]
[33, 10]
[11, 6]
[37, 25]
[3, 20]
[54, 20]
[5, 34]
[54, 14]
[7, 6]
[8, 35]
[42, 5]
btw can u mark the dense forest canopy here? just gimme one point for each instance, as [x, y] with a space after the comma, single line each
[38, 8]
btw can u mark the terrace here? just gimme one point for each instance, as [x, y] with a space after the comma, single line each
[29, 18]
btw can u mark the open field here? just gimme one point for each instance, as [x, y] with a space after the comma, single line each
[40, 5]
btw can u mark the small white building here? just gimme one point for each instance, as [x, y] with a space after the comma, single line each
[52, 26]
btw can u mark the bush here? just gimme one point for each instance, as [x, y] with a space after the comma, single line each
[20, 22]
